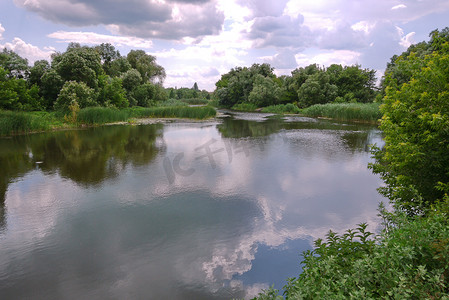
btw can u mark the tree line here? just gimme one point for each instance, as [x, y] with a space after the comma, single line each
[258, 85]
[82, 75]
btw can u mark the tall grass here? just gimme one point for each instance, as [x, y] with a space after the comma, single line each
[288, 108]
[12, 122]
[368, 112]
[102, 115]
[200, 113]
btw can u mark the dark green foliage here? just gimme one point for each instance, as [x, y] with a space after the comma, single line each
[112, 92]
[317, 90]
[144, 95]
[15, 94]
[146, 65]
[51, 85]
[345, 111]
[307, 86]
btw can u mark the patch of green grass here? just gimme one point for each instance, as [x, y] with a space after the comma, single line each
[368, 112]
[244, 107]
[288, 108]
[12, 122]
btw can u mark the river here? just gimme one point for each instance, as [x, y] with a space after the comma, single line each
[182, 210]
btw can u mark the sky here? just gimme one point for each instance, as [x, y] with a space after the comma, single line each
[198, 40]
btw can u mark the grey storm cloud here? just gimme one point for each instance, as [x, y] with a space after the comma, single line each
[265, 7]
[281, 31]
[342, 37]
[141, 18]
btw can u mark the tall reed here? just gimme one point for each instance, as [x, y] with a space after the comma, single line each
[368, 112]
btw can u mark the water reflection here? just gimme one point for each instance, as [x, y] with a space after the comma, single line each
[93, 214]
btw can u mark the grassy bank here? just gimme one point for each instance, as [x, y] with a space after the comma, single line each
[367, 112]
[102, 115]
[12, 122]
[25, 122]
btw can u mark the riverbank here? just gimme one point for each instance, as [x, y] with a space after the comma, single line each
[14, 123]
[354, 112]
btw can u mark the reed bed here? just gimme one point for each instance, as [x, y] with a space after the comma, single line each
[367, 112]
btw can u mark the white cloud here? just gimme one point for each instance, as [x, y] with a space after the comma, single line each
[1, 31]
[28, 51]
[92, 38]
[326, 58]
[398, 6]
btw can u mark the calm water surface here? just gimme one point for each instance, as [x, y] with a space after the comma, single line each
[214, 210]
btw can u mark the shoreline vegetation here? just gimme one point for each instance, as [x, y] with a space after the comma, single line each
[13, 122]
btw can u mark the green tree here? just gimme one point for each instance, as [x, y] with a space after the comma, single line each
[37, 71]
[131, 79]
[13, 64]
[112, 92]
[51, 84]
[265, 92]
[15, 94]
[118, 67]
[144, 94]
[147, 66]
[317, 90]
[415, 162]
[75, 91]
[81, 64]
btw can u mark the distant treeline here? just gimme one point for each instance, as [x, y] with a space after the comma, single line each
[259, 86]
[83, 77]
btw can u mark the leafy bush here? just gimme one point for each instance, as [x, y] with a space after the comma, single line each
[408, 260]
[75, 91]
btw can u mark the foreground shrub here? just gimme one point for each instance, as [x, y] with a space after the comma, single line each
[408, 260]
